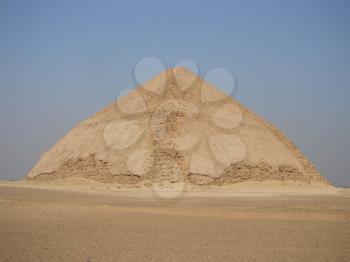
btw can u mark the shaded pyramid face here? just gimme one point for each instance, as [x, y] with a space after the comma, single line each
[175, 127]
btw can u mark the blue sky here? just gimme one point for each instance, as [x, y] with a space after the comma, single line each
[62, 61]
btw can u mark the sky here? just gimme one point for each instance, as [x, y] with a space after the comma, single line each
[62, 61]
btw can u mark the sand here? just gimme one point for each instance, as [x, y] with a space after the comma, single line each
[42, 223]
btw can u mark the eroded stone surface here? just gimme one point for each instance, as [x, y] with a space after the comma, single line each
[184, 80]
[133, 103]
[156, 85]
[121, 134]
[164, 127]
[227, 149]
[140, 161]
[209, 94]
[185, 142]
[228, 116]
[202, 165]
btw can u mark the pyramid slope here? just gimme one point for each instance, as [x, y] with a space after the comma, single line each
[185, 129]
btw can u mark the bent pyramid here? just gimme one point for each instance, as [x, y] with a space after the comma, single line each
[175, 127]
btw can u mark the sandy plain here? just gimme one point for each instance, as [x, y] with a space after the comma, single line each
[39, 223]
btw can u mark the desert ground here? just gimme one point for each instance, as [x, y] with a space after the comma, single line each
[46, 224]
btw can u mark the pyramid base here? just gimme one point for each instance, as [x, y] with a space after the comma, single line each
[96, 170]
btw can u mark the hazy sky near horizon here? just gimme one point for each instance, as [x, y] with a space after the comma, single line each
[62, 61]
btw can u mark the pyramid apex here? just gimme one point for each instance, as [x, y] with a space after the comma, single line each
[182, 70]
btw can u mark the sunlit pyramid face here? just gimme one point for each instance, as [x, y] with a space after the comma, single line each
[178, 126]
[175, 126]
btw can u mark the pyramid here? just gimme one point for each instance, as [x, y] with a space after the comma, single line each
[175, 127]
